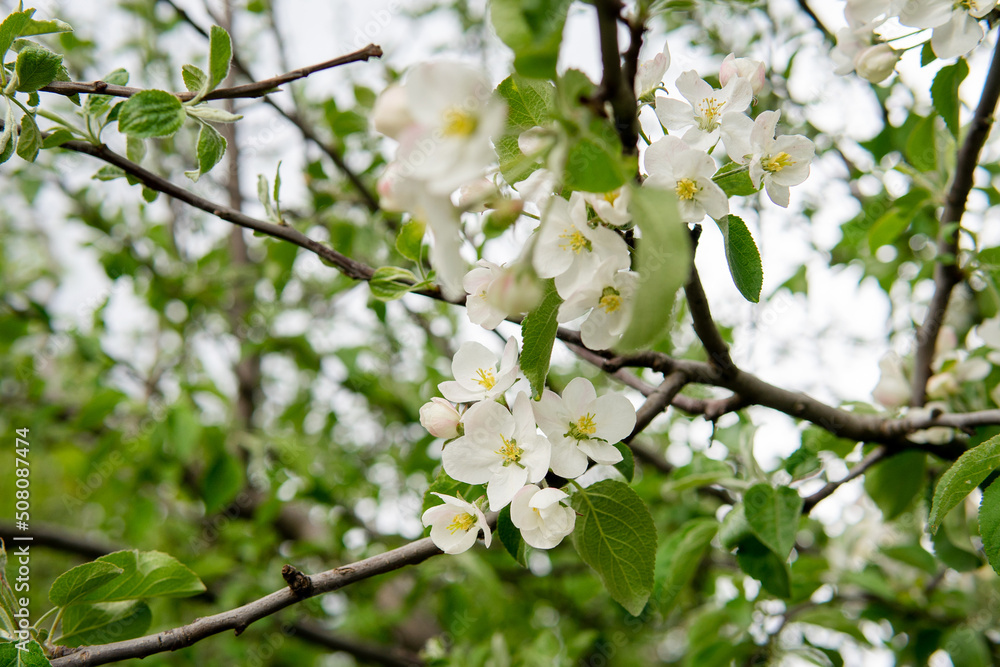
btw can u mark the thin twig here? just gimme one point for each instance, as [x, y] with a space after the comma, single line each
[614, 88]
[876, 455]
[947, 273]
[704, 325]
[247, 90]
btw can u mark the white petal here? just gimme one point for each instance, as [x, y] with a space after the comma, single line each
[956, 37]
[736, 129]
[522, 515]
[578, 396]
[456, 393]
[550, 414]
[468, 461]
[567, 459]
[763, 131]
[615, 417]
[453, 542]
[713, 198]
[674, 114]
[693, 87]
[471, 362]
[600, 452]
[504, 485]
[546, 497]
[777, 193]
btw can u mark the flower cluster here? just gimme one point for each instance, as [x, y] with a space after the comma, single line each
[955, 27]
[504, 448]
[444, 117]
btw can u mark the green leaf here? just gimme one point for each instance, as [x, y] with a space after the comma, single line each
[220, 53]
[212, 114]
[30, 141]
[510, 536]
[961, 478]
[538, 331]
[194, 78]
[11, 656]
[927, 54]
[72, 585]
[773, 515]
[533, 30]
[743, 257]
[529, 104]
[391, 282]
[108, 172]
[678, 558]
[222, 482]
[593, 165]
[135, 149]
[765, 566]
[967, 647]
[48, 27]
[989, 523]
[57, 138]
[627, 465]
[410, 239]
[147, 574]
[954, 556]
[13, 27]
[211, 148]
[8, 603]
[893, 484]
[95, 105]
[914, 555]
[944, 93]
[149, 195]
[104, 622]
[151, 113]
[36, 67]
[921, 146]
[663, 260]
[615, 535]
[734, 179]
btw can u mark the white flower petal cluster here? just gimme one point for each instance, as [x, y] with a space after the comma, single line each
[541, 516]
[702, 113]
[477, 376]
[673, 165]
[495, 292]
[956, 27]
[649, 76]
[606, 300]
[752, 71]
[443, 115]
[456, 524]
[775, 162]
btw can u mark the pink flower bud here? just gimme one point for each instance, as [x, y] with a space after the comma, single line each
[743, 68]
[440, 418]
[876, 63]
[391, 114]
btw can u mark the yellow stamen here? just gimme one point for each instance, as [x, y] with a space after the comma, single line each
[611, 300]
[611, 197]
[458, 123]
[575, 240]
[486, 379]
[709, 110]
[686, 189]
[510, 452]
[463, 522]
[582, 428]
[775, 163]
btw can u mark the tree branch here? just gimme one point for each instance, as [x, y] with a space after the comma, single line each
[240, 618]
[947, 273]
[876, 455]
[701, 314]
[614, 88]
[57, 537]
[248, 90]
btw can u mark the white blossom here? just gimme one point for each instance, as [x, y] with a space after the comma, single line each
[649, 75]
[893, 389]
[607, 300]
[673, 165]
[611, 207]
[440, 418]
[456, 524]
[581, 425]
[478, 282]
[500, 449]
[876, 63]
[541, 516]
[568, 248]
[752, 71]
[476, 374]
[704, 108]
[778, 163]
[956, 28]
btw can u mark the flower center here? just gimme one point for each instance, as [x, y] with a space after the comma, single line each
[686, 189]
[458, 123]
[486, 379]
[610, 197]
[575, 240]
[582, 428]
[709, 110]
[775, 163]
[611, 300]
[463, 522]
[510, 452]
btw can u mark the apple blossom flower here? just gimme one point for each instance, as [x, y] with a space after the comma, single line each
[541, 516]
[956, 28]
[500, 449]
[538, 187]
[455, 525]
[778, 163]
[479, 307]
[851, 41]
[673, 165]
[607, 300]
[649, 76]
[441, 419]
[581, 425]
[893, 389]
[454, 114]
[704, 108]
[568, 248]
[953, 370]
[476, 375]
[743, 68]
[876, 63]
[611, 207]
